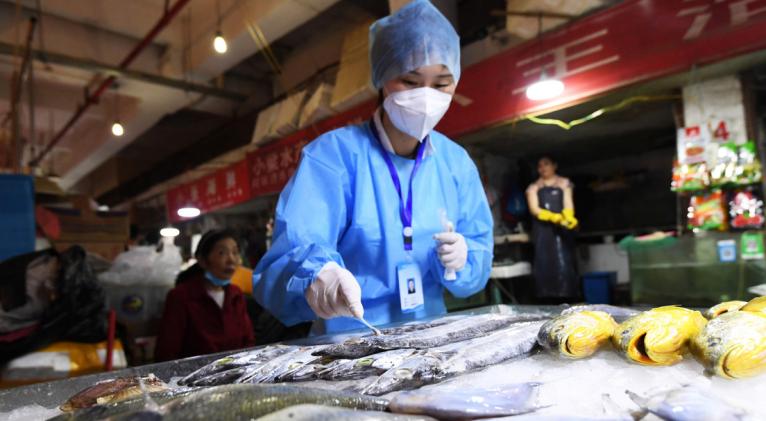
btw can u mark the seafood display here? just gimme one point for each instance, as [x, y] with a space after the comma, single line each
[467, 403]
[733, 345]
[460, 330]
[577, 334]
[688, 404]
[659, 336]
[114, 390]
[341, 380]
[439, 363]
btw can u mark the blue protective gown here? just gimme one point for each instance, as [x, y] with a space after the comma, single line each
[341, 205]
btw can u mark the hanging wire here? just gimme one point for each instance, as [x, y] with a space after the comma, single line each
[601, 111]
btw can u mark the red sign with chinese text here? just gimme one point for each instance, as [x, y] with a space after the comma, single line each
[223, 188]
[634, 41]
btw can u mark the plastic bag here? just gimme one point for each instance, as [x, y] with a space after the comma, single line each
[725, 169]
[689, 177]
[77, 312]
[746, 209]
[146, 266]
[707, 212]
[748, 165]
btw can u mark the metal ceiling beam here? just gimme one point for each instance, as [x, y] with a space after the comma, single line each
[94, 66]
[106, 83]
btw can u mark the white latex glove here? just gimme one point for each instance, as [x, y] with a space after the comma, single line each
[453, 250]
[334, 293]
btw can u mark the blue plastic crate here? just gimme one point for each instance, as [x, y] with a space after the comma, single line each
[598, 286]
[17, 215]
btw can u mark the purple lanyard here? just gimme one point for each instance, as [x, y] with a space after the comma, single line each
[405, 210]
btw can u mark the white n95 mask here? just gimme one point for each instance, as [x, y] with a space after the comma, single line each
[416, 111]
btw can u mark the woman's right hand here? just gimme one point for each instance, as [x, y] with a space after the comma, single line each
[334, 293]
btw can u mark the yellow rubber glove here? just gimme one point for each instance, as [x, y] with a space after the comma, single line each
[547, 216]
[569, 221]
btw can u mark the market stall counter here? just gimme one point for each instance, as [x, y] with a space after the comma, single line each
[595, 361]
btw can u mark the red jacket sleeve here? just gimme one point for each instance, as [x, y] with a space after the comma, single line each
[171, 335]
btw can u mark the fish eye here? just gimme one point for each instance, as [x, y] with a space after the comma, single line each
[364, 362]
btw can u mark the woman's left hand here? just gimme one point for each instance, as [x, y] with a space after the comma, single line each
[452, 251]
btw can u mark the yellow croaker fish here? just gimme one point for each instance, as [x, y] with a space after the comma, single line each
[725, 307]
[577, 335]
[757, 304]
[733, 345]
[659, 336]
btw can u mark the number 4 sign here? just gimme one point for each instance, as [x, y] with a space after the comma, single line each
[722, 131]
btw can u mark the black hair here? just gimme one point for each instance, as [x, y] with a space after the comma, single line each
[210, 239]
[549, 158]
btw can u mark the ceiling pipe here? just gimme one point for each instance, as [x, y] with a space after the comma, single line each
[91, 99]
[112, 70]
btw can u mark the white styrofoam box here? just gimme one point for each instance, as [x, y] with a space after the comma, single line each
[263, 131]
[317, 107]
[511, 271]
[605, 258]
[708, 103]
[286, 120]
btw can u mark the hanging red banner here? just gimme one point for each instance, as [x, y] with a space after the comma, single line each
[221, 189]
[634, 41]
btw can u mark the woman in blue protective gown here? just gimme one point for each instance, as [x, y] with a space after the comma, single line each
[377, 210]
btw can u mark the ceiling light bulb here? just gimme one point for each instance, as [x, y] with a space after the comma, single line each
[117, 129]
[170, 232]
[188, 212]
[545, 88]
[219, 43]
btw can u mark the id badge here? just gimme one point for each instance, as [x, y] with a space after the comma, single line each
[410, 287]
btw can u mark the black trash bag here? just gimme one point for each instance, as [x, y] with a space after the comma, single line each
[77, 314]
[13, 274]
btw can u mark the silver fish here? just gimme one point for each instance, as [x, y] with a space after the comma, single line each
[248, 401]
[457, 358]
[499, 346]
[467, 403]
[241, 359]
[459, 330]
[688, 403]
[223, 377]
[422, 368]
[309, 412]
[365, 366]
[282, 365]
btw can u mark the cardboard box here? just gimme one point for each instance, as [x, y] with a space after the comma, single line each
[317, 107]
[353, 84]
[286, 120]
[264, 125]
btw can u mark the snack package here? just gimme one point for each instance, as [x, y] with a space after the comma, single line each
[707, 212]
[748, 165]
[725, 167]
[746, 209]
[689, 177]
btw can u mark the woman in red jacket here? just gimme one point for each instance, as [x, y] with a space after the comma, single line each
[205, 313]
